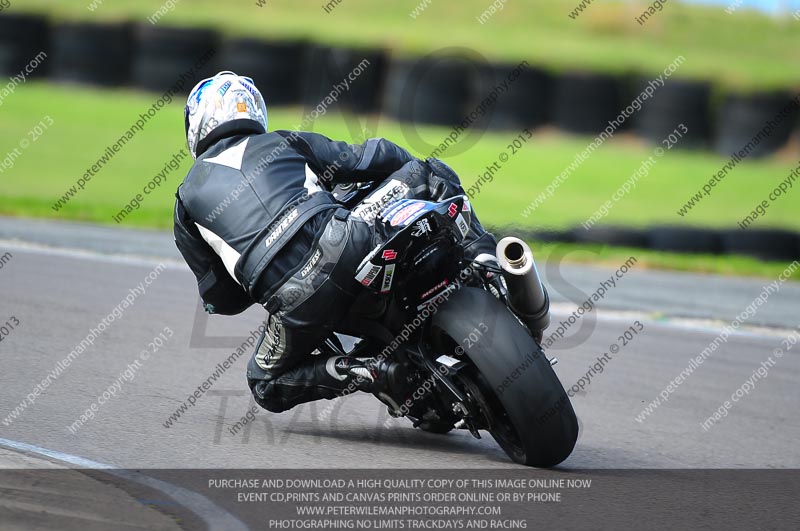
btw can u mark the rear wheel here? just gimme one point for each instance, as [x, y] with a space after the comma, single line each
[492, 416]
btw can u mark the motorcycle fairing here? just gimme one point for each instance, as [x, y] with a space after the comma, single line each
[419, 237]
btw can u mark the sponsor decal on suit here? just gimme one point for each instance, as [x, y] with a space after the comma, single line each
[281, 228]
[309, 267]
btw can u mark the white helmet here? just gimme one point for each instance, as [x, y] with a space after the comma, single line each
[223, 100]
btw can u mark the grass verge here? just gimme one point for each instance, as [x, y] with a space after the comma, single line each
[86, 121]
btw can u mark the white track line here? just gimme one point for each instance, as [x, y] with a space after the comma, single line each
[692, 324]
[93, 256]
[214, 516]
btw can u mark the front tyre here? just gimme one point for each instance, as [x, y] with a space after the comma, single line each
[511, 384]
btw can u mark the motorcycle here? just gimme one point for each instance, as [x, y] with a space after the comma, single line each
[465, 336]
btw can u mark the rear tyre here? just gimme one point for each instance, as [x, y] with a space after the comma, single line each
[511, 384]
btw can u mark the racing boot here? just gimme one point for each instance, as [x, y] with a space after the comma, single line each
[387, 380]
[323, 378]
[371, 375]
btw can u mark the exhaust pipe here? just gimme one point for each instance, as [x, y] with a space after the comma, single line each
[526, 294]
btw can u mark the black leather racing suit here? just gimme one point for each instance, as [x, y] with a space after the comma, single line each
[256, 223]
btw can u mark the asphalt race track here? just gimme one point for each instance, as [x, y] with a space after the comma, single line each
[62, 280]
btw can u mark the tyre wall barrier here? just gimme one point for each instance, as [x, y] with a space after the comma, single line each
[435, 89]
[764, 244]
[585, 103]
[677, 102]
[277, 67]
[685, 240]
[359, 75]
[22, 37]
[164, 54]
[611, 235]
[522, 102]
[743, 116]
[92, 53]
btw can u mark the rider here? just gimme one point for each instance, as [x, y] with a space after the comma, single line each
[256, 222]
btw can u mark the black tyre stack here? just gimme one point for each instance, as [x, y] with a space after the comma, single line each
[367, 88]
[434, 89]
[524, 103]
[165, 54]
[743, 116]
[585, 103]
[611, 235]
[685, 240]
[677, 102]
[92, 53]
[765, 244]
[277, 68]
[331, 66]
[22, 37]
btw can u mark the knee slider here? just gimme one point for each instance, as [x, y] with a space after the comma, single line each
[265, 395]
